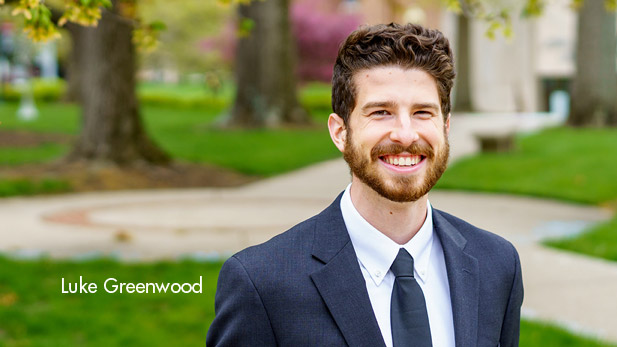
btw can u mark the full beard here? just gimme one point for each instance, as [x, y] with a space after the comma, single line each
[401, 188]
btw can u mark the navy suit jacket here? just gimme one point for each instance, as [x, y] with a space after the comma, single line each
[305, 288]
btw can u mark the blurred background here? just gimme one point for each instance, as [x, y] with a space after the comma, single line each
[148, 140]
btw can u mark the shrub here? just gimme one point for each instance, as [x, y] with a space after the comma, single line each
[319, 30]
[42, 89]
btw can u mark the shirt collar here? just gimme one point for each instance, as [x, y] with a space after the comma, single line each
[376, 252]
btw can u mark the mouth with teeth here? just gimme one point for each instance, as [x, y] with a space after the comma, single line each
[402, 161]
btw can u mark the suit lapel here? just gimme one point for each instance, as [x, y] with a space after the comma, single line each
[463, 278]
[340, 281]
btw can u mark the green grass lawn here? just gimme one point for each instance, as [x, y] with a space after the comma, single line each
[34, 312]
[26, 155]
[561, 163]
[187, 134]
[535, 333]
[599, 241]
[53, 118]
[568, 164]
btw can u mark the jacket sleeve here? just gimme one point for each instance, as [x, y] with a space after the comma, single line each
[240, 316]
[510, 329]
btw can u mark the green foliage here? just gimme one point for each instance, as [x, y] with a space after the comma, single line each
[245, 26]
[533, 8]
[317, 98]
[39, 26]
[611, 5]
[454, 6]
[42, 90]
[188, 43]
[83, 12]
[497, 16]
[186, 95]
[576, 4]
[499, 23]
[37, 20]
[146, 37]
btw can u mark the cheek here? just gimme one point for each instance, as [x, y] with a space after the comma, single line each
[434, 131]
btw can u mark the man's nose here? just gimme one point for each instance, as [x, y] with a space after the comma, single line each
[404, 132]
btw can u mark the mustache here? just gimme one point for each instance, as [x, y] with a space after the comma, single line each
[392, 148]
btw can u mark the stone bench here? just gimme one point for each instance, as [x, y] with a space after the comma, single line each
[496, 141]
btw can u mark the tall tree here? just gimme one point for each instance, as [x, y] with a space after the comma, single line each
[112, 130]
[594, 87]
[104, 70]
[266, 92]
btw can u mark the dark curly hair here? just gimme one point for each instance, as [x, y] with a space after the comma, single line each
[408, 46]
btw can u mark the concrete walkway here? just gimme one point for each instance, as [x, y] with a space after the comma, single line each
[572, 290]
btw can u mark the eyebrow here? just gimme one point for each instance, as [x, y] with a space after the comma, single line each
[430, 105]
[392, 104]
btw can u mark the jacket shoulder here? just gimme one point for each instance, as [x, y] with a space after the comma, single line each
[292, 241]
[473, 235]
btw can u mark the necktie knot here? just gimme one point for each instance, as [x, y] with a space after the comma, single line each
[403, 264]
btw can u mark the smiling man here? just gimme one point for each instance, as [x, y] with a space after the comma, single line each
[379, 266]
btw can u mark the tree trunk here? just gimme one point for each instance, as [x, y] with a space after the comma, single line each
[112, 130]
[74, 63]
[594, 88]
[265, 69]
[463, 93]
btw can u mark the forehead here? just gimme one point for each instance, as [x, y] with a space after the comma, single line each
[394, 83]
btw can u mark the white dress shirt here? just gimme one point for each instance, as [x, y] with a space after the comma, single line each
[376, 253]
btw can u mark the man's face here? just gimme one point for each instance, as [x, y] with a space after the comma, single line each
[396, 139]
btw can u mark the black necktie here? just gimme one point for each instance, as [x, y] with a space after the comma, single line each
[408, 316]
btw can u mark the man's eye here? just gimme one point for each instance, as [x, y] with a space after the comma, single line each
[424, 114]
[380, 113]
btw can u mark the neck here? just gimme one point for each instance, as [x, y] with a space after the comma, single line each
[400, 221]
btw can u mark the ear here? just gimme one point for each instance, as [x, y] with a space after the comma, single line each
[447, 125]
[338, 131]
